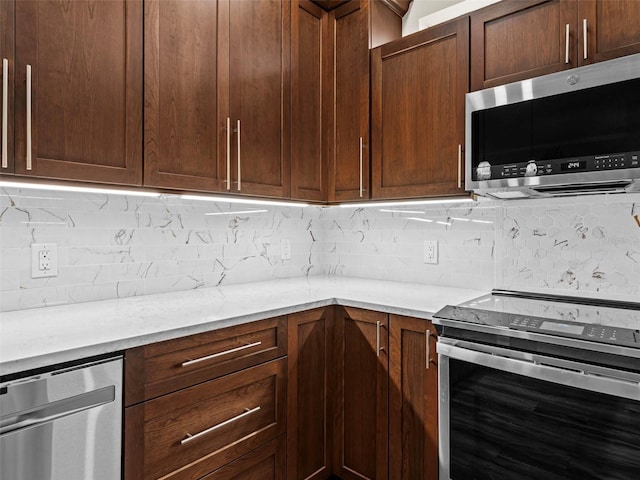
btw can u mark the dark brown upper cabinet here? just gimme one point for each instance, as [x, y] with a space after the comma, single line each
[256, 82]
[519, 39]
[310, 104]
[78, 90]
[185, 128]
[7, 12]
[355, 27]
[418, 87]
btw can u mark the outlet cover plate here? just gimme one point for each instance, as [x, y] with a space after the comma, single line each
[431, 251]
[285, 249]
[44, 260]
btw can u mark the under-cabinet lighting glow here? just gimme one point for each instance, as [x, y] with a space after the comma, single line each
[77, 189]
[444, 223]
[481, 221]
[420, 219]
[246, 201]
[237, 212]
[418, 212]
[406, 203]
[461, 219]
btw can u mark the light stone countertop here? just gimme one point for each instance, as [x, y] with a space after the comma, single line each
[41, 337]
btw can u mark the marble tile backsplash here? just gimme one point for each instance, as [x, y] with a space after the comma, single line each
[112, 246]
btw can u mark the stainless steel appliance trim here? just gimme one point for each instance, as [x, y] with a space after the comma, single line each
[42, 414]
[191, 438]
[602, 73]
[564, 372]
[541, 337]
[29, 146]
[220, 354]
[5, 111]
[444, 425]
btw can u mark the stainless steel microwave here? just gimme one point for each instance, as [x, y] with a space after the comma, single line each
[567, 133]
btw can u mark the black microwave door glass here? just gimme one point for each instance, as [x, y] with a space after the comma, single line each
[508, 426]
[595, 121]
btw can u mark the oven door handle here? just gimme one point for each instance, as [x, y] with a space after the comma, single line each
[586, 377]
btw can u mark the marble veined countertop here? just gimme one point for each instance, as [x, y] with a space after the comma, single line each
[41, 337]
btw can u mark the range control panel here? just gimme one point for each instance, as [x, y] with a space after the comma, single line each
[597, 333]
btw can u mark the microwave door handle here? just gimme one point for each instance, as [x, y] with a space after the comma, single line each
[49, 412]
[543, 371]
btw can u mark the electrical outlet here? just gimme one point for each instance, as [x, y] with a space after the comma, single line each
[44, 260]
[285, 249]
[430, 251]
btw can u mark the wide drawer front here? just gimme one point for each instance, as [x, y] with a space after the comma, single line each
[165, 367]
[192, 432]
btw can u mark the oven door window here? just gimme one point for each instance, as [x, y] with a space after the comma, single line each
[509, 426]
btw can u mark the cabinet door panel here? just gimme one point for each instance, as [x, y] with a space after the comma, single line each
[182, 130]
[418, 86]
[86, 64]
[362, 396]
[413, 399]
[7, 11]
[259, 76]
[514, 40]
[613, 29]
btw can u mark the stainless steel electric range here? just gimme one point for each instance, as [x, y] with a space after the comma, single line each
[539, 387]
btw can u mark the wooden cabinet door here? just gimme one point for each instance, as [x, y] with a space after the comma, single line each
[267, 462]
[612, 29]
[85, 59]
[418, 86]
[518, 39]
[349, 135]
[7, 11]
[257, 38]
[361, 363]
[310, 105]
[310, 422]
[184, 128]
[413, 399]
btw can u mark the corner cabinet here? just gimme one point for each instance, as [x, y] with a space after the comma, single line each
[514, 40]
[78, 89]
[418, 85]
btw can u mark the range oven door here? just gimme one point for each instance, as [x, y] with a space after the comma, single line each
[513, 415]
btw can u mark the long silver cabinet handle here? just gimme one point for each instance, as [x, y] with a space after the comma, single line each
[584, 38]
[191, 438]
[29, 160]
[228, 153]
[459, 166]
[377, 338]
[5, 111]
[239, 161]
[428, 347]
[361, 147]
[566, 43]
[220, 354]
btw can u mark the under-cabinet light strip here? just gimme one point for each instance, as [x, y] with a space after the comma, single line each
[248, 201]
[73, 188]
[407, 202]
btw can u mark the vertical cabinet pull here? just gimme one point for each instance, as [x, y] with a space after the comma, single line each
[239, 168]
[584, 38]
[427, 348]
[566, 44]
[29, 160]
[228, 153]
[361, 147]
[459, 166]
[5, 111]
[378, 338]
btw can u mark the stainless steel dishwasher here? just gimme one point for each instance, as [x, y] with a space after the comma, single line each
[63, 425]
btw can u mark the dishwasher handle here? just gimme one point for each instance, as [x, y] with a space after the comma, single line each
[49, 412]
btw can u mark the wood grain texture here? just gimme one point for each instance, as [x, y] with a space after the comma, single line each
[259, 89]
[309, 127]
[86, 58]
[418, 87]
[182, 129]
[7, 51]
[155, 369]
[171, 418]
[413, 400]
[267, 462]
[518, 39]
[310, 421]
[361, 411]
[613, 29]
[385, 23]
[330, 4]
